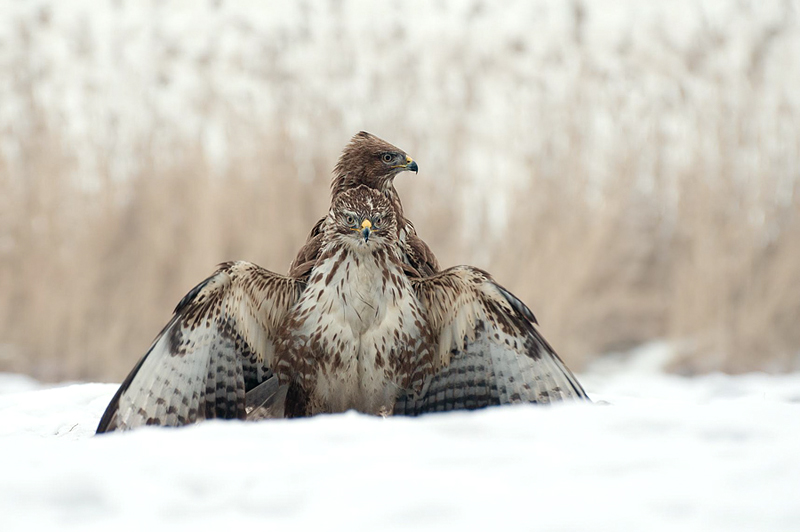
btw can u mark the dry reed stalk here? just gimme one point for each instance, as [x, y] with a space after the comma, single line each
[650, 194]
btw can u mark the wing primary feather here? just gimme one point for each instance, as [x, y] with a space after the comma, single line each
[108, 420]
[490, 351]
[518, 305]
[222, 330]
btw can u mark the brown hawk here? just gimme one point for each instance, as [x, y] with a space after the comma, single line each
[373, 162]
[360, 334]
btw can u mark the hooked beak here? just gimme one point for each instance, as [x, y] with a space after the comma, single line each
[410, 165]
[366, 227]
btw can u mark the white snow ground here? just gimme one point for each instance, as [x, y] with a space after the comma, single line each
[670, 453]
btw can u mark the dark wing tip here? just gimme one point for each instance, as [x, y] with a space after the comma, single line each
[192, 294]
[189, 297]
[518, 305]
[105, 424]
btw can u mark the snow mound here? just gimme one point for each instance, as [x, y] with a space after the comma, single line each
[669, 453]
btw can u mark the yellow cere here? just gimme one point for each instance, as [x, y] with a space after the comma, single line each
[409, 160]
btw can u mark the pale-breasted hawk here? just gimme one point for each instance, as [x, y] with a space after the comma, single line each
[360, 335]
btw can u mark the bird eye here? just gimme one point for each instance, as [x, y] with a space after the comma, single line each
[376, 220]
[387, 157]
[351, 220]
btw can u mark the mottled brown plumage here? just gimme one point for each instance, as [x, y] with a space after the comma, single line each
[488, 350]
[349, 338]
[218, 345]
[357, 332]
[372, 162]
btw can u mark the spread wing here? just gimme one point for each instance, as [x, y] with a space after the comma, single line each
[218, 345]
[489, 350]
[415, 252]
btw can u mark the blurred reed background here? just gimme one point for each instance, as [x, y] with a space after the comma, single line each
[630, 170]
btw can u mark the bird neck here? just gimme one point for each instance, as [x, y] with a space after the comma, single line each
[385, 185]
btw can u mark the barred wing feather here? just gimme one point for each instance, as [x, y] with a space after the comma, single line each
[489, 350]
[218, 345]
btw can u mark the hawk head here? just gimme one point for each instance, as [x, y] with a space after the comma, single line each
[370, 161]
[361, 218]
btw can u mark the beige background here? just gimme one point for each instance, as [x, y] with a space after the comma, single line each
[629, 170]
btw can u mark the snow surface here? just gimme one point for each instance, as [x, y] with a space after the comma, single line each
[669, 453]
